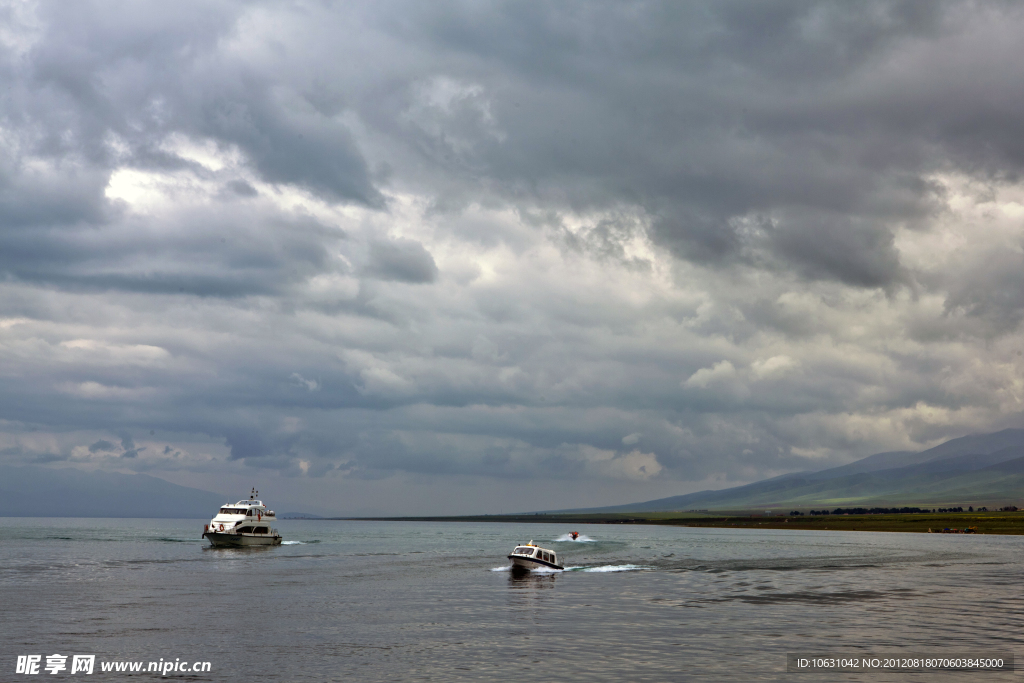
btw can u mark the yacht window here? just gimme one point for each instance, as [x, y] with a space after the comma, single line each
[260, 530]
[245, 530]
[547, 558]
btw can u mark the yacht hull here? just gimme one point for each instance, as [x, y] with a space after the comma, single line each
[219, 540]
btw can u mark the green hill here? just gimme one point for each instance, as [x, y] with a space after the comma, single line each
[979, 470]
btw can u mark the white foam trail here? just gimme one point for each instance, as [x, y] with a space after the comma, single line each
[292, 543]
[582, 538]
[613, 568]
[578, 568]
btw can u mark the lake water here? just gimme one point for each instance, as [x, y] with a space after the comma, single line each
[411, 601]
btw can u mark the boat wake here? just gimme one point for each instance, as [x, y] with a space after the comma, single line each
[292, 543]
[600, 570]
[582, 538]
[608, 568]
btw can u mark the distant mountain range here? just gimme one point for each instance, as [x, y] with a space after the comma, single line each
[981, 469]
[45, 492]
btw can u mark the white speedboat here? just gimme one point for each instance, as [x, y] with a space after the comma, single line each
[530, 556]
[247, 522]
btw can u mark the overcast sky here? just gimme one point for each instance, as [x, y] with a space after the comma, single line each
[443, 257]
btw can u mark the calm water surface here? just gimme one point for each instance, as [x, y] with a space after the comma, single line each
[396, 601]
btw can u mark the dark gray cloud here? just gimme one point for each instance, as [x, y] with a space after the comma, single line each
[992, 294]
[855, 252]
[242, 188]
[655, 246]
[401, 260]
[128, 444]
[702, 114]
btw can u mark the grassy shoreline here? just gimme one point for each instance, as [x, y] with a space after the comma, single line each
[1005, 523]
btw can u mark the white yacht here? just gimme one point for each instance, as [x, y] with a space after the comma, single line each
[530, 556]
[247, 522]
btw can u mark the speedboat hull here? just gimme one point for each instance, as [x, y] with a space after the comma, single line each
[219, 540]
[532, 563]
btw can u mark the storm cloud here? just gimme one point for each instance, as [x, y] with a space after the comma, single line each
[421, 258]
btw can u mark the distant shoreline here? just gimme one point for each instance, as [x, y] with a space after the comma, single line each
[1002, 523]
